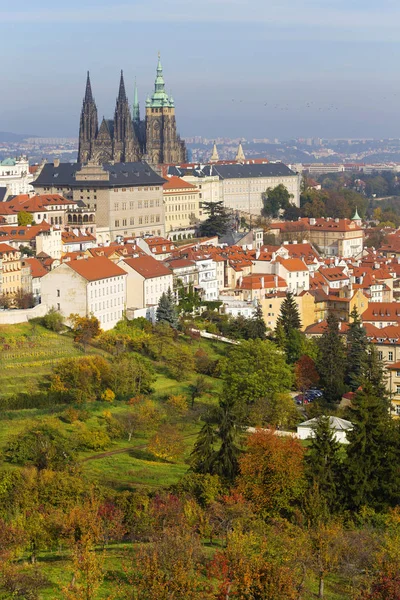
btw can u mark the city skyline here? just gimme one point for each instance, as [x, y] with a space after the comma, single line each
[276, 72]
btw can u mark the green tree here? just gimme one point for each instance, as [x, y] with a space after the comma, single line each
[131, 376]
[24, 218]
[199, 387]
[166, 310]
[217, 222]
[323, 462]
[42, 446]
[256, 327]
[53, 320]
[202, 455]
[373, 454]
[80, 379]
[225, 460]
[357, 350]
[256, 370]
[274, 200]
[331, 361]
[289, 316]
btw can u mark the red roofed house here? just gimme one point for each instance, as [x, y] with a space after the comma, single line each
[382, 314]
[147, 280]
[90, 286]
[181, 204]
[158, 247]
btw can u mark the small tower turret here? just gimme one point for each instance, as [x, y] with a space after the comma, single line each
[240, 157]
[214, 156]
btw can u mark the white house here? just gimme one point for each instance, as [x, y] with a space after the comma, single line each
[340, 427]
[148, 279]
[91, 286]
[208, 281]
[16, 176]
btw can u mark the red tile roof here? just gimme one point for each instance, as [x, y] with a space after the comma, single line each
[176, 183]
[36, 267]
[147, 266]
[95, 269]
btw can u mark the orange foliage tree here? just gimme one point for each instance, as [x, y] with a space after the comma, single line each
[271, 472]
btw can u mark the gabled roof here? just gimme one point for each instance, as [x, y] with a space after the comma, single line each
[36, 267]
[292, 264]
[147, 266]
[95, 269]
[335, 423]
[382, 311]
[176, 183]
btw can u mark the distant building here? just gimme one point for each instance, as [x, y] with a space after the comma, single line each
[339, 427]
[15, 176]
[181, 204]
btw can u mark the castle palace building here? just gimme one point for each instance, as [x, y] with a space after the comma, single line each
[127, 138]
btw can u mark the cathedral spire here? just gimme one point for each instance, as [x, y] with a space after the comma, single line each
[122, 93]
[240, 157]
[135, 106]
[88, 92]
[214, 156]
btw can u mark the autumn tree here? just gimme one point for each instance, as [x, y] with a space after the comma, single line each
[85, 329]
[131, 376]
[24, 218]
[271, 472]
[42, 446]
[167, 443]
[80, 379]
[305, 372]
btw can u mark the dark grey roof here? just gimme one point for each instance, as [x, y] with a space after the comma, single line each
[3, 191]
[239, 171]
[121, 174]
[234, 171]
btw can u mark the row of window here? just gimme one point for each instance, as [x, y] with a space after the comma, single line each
[140, 204]
[177, 207]
[106, 304]
[139, 189]
[146, 219]
[106, 291]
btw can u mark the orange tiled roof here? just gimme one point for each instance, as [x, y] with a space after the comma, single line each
[95, 269]
[37, 269]
[176, 183]
[148, 267]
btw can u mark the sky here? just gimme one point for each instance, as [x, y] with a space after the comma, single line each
[265, 69]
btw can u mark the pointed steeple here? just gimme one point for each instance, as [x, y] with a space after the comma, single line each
[122, 93]
[135, 106]
[356, 216]
[88, 92]
[214, 156]
[240, 157]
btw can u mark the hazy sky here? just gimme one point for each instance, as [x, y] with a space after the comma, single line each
[328, 68]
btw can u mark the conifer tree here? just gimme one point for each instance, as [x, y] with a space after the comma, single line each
[166, 311]
[331, 361]
[324, 466]
[225, 462]
[289, 316]
[203, 453]
[373, 454]
[357, 351]
[256, 327]
[218, 219]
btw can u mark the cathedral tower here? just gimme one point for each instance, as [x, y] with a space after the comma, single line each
[163, 144]
[88, 127]
[126, 145]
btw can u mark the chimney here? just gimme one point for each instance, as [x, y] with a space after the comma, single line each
[312, 221]
[258, 254]
[276, 281]
[336, 220]
[262, 283]
[294, 242]
[56, 162]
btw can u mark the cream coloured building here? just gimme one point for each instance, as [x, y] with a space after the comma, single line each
[181, 204]
[89, 286]
[147, 280]
[127, 198]
[10, 271]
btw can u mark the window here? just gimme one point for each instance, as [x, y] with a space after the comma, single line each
[58, 306]
[397, 373]
[117, 223]
[58, 293]
[397, 389]
[390, 356]
[380, 355]
[131, 221]
[123, 222]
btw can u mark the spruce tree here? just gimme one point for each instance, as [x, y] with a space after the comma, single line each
[324, 466]
[289, 316]
[357, 351]
[203, 453]
[166, 311]
[225, 462]
[331, 361]
[373, 454]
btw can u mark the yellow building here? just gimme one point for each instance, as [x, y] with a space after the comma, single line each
[10, 270]
[181, 204]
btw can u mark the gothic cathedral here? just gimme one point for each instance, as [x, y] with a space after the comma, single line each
[126, 138]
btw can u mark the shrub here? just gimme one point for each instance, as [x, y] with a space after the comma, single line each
[53, 320]
[178, 404]
[91, 439]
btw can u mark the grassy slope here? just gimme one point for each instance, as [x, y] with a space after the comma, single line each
[34, 350]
